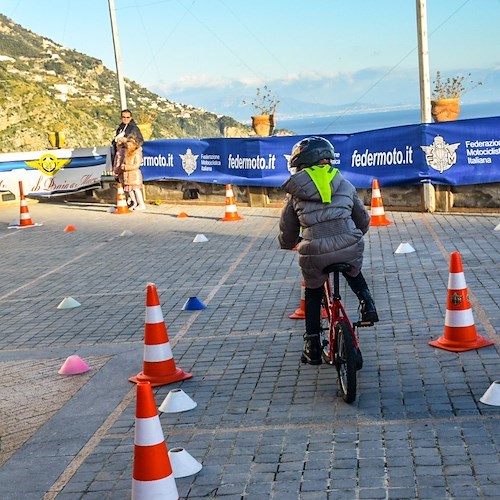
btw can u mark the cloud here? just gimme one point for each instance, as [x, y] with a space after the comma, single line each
[315, 91]
[194, 81]
[186, 82]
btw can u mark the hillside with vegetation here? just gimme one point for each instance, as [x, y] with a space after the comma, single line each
[45, 87]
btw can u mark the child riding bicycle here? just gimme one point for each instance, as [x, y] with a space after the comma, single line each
[333, 220]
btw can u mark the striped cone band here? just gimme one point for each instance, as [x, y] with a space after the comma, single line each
[459, 328]
[231, 210]
[121, 197]
[158, 360]
[24, 213]
[377, 213]
[458, 308]
[148, 431]
[157, 353]
[300, 313]
[165, 489]
[121, 201]
[456, 281]
[459, 318]
[152, 475]
[154, 314]
[377, 203]
[25, 219]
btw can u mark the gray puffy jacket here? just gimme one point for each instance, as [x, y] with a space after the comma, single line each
[332, 230]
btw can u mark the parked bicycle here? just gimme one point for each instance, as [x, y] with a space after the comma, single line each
[338, 335]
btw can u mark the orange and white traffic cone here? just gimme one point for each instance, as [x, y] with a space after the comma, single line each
[300, 313]
[159, 365]
[24, 216]
[152, 475]
[378, 217]
[231, 211]
[459, 329]
[121, 201]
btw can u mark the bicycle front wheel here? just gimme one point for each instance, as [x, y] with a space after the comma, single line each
[346, 361]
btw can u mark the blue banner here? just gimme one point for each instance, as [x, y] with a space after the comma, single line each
[462, 152]
[451, 153]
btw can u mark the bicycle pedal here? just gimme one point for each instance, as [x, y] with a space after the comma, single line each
[360, 324]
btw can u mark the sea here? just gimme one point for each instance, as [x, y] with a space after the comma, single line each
[362, 122]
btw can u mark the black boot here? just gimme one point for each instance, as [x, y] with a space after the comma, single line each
[367, 306]
[312, 350]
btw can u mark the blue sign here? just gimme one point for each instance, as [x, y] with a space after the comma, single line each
[451, 153]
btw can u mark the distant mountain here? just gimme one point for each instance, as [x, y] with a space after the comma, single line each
[319, 96]
[46, 87]
[326, 93]
[228, 102]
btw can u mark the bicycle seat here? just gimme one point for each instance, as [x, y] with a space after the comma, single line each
[341, 267]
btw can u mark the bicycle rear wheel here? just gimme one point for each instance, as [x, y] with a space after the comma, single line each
[346, 361]
[326, 347]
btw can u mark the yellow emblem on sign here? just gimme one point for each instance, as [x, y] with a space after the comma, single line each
[48, 164]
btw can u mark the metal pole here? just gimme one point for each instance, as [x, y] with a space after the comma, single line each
[425, 90]
[114, 30]
[423, 62]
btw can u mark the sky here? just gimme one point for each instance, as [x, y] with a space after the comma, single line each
[314, 55]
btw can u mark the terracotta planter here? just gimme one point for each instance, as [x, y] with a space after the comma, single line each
[445, 110]
[57, 139]
[263, 125]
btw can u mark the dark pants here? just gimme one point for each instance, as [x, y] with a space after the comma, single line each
[313, 301]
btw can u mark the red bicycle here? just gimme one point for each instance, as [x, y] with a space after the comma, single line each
[338, 336]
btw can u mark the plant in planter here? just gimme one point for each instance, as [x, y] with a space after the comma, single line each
[445, 103]
[265, 104]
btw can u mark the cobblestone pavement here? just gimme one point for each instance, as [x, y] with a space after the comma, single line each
[265, 426]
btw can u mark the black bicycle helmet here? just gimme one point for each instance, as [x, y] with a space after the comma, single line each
[310, 151]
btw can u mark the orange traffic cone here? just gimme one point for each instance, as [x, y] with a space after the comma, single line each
[159, 365]
[183, 214]
[152, 475]
[24, 216]
[378, 217]
[231, 211]
[459, 329]
[121, 201]
[69, 228]
[300, 313]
